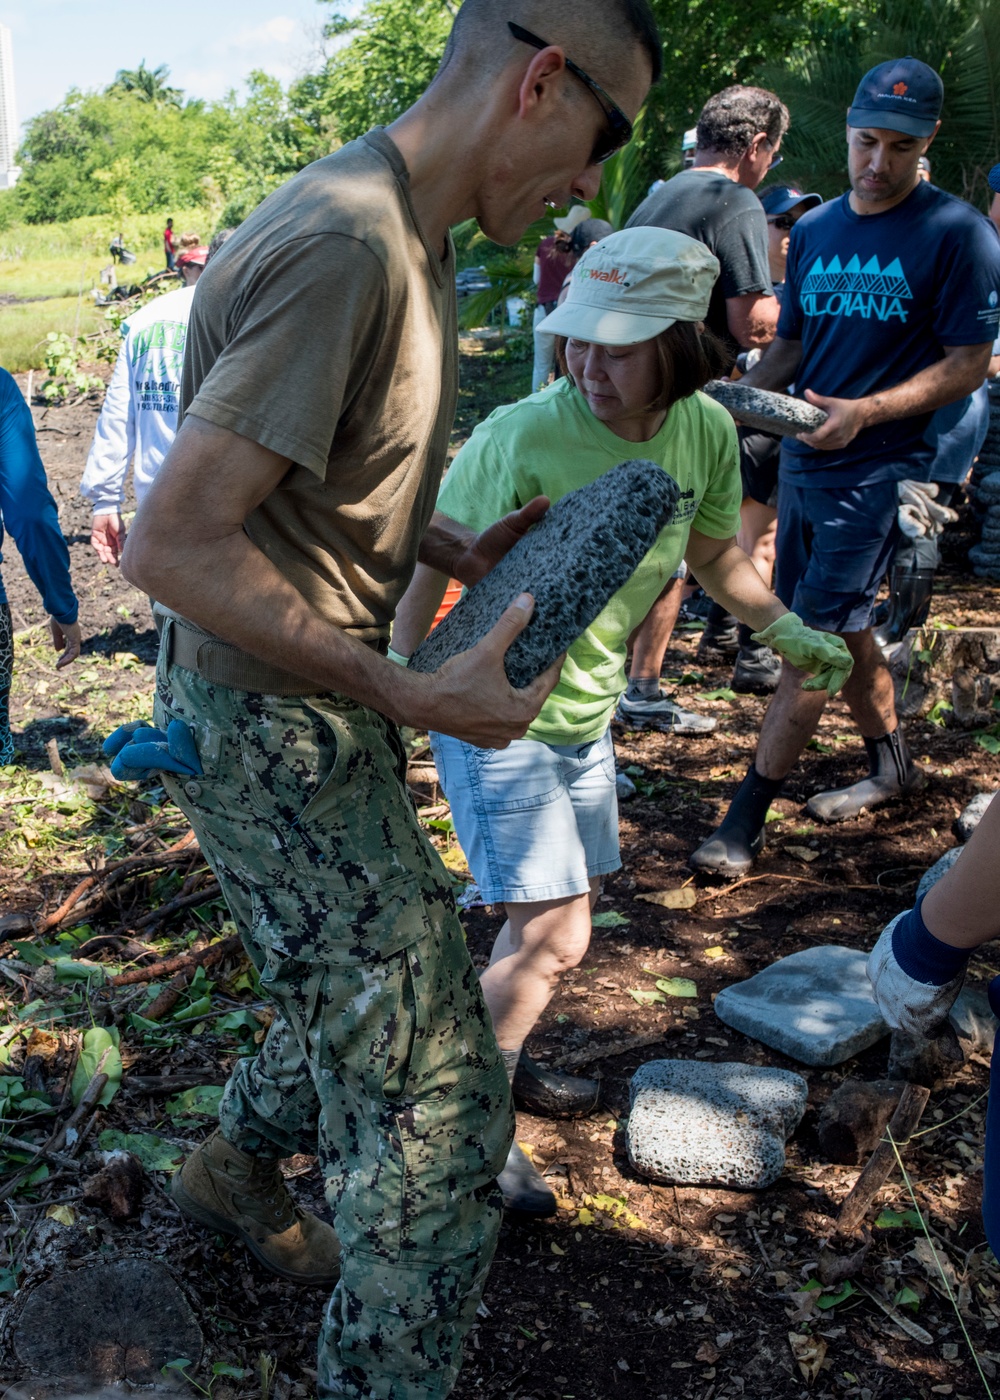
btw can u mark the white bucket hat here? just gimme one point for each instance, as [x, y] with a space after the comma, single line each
[633, 285]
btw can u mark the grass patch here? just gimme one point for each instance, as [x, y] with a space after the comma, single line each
[23, 328]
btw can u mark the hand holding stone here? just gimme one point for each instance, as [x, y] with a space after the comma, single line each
[845, 419]
[915, 977]
[823, 655]
[490, 546]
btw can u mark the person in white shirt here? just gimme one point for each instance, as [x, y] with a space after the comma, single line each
[139, 419]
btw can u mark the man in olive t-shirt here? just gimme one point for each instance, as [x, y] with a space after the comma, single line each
[281, 530]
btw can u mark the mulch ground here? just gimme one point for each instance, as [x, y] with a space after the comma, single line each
[633, 1289]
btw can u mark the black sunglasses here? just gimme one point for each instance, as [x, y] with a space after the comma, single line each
[619, 129]
[784, 221]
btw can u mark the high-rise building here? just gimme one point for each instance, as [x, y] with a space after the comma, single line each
[8, 113]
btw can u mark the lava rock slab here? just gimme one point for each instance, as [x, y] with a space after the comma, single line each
[583, 550]
[939, 868]
[697, 1123]
[768, 413]
[973, 814]
[815, 1006]
[988, 490]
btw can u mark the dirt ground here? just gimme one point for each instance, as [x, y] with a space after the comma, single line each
[634, 1289]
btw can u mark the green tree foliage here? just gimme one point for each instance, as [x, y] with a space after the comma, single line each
[128, 150]
[393, 52]
[149, 84]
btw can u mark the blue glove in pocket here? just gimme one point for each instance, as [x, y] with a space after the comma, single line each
[140, 750]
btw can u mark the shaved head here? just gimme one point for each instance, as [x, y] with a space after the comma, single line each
[602, 36]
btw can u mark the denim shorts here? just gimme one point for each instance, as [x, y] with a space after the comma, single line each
[536, 821]
[834, 546]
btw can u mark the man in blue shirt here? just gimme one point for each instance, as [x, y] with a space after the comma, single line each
[891, 303]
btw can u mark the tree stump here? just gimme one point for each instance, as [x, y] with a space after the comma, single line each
[111, 1323]
[958, 670]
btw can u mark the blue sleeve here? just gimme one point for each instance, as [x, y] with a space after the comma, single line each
[967, 308]
[790, 319]
[26, 506]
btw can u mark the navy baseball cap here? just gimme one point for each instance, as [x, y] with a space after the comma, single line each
[994, 179]
[901, 95]
[780, 198]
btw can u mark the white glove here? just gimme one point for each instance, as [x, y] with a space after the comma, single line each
[905, 1002]
[920, 517]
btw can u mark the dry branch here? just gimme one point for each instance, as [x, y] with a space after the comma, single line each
[880, 1163]
[183, 962]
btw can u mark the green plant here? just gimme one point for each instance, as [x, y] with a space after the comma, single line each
[64, 377]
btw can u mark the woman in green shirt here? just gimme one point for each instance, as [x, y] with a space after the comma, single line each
[538, 820]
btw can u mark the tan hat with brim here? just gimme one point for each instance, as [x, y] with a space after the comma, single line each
[633, 285]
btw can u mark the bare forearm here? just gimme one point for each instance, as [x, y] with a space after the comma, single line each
[732, 580]
[777, 367]
[443, 544]
[417, 608]
[943, 383]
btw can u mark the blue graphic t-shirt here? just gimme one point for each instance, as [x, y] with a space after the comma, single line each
[874, 298]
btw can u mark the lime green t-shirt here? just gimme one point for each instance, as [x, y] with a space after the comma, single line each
[548, 445]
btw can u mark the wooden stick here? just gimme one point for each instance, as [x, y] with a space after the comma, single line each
[196, 957]
[773, 875]
[57, 1141]
[174, 906]
[873, 1177]
[169, 997]
[112, 875]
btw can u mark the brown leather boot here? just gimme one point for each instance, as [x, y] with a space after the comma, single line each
[228, 1190]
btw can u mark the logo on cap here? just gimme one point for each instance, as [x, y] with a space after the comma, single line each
[900, 89]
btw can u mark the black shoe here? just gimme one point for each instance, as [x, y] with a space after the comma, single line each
[757, 671]
[910, 593]
[731, 850]
[892, 774]
[720, 639]
[551, 1094]
[696, 608]
[524, 1189]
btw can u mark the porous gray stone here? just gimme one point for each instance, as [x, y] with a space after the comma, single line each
[988, 490]
[697, 1123]
[769, 413]
[584, 549]
[816, 1006]
[939, 868]
[973, 814]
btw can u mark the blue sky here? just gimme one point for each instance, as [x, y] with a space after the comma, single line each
[209, 46]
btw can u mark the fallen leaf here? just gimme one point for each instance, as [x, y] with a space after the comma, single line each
[66, 1215]
[645, 998]
[809, 1352]
[100, 1047]
[805, 853]
[681, 898]
[609, 918]
[707, 1353]
[676, 987]
[713, 954]
[154, 1152]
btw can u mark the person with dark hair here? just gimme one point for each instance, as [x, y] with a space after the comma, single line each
[538, 822]
[738, 139]
[891, 304]
[554, 259]
[29, 515]
[318, 396]
[169, 244]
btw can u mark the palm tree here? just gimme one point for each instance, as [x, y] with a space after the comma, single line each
[147, 84]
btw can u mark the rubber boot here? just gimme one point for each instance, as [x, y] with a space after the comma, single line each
[758, 668]
[731, 850]
[228, 1190]
[551, 1094]
[523, 1187]
[910, 593]
[719, 640]
[892, 774]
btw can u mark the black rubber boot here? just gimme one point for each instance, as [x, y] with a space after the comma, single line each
[892, 774]
[551, 1094]
[524, 1189]
[731, 850]
[910, 593]
[758, 668]
[719, 640]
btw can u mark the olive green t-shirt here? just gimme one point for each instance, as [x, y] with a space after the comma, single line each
[325, 329]
[548, 445]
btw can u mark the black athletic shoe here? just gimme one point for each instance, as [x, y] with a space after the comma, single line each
[524, 1189]
[757, 671]
[720, 640]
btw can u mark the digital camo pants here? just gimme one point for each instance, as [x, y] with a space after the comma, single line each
[382, 1058]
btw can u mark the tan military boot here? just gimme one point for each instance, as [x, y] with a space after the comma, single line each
[228, 1190]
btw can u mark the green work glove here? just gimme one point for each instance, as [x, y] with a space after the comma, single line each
[821, 653]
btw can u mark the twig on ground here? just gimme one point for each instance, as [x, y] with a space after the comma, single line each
[102, 881]
[794, 879]
[57, 1141]
[195, 957]
[574, 1059]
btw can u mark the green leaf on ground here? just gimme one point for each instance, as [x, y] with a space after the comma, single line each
[676, 987]
[833, 1300]
[609, 918]
[723, 693]
[898, 1220]
[198, 1008]
[98, 1043]
[907, 1298]
[154, 1152]
[201, 1101]
[645, 998]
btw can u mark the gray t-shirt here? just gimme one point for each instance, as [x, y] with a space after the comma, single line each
[729, 219]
